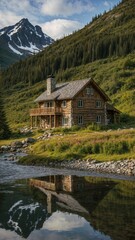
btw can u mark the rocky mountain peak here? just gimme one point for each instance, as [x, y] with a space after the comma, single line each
[23, 38]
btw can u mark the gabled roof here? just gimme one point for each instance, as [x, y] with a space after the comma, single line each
[69, 90]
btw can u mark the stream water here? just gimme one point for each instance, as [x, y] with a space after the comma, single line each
[39, 203]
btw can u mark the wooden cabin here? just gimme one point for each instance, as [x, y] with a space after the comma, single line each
[78, 102]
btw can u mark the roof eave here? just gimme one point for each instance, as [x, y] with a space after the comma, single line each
[82, 88]
[105, 96]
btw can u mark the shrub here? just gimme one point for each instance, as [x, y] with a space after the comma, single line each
[85, 149]
[124, 118]
[116, 147]
[75, 128]
[94, 127]
[65, 130]
[62, 147]
[50, 147]
[96, 148]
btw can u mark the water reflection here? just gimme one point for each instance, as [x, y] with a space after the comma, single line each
[72, 192]
[67, 226]
[67, 207]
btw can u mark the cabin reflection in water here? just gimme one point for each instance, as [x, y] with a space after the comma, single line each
[72, 193]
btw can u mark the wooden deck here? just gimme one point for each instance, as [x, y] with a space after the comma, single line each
[45, 111]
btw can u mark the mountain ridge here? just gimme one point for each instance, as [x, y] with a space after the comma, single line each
[23, 39]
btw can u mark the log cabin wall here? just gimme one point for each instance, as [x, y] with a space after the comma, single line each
[92, 109]
[66, 112]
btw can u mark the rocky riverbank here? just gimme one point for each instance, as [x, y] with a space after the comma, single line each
[17, 146]
[124, 167]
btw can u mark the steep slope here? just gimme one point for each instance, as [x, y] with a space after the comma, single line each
[21, 40]
[111, 34]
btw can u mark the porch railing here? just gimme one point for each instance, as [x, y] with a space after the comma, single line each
[45, 111]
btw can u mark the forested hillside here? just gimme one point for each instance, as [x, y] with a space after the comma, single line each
[104, 50]
[111, 34]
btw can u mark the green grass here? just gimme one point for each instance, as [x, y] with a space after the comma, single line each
[102, 146]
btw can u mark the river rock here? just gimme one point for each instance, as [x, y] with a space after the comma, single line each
[30, 140]
[4, 148]
[17, 144]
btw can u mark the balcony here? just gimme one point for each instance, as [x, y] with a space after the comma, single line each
[45, 111]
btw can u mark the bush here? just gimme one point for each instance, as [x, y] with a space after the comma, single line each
[94, 127]
[62, 147]
[75, 128]
[96, 148]
[116, 147]
[129, 64]
[85, 149]
[124, 118]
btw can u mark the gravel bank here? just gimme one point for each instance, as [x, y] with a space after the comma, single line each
[124, 167]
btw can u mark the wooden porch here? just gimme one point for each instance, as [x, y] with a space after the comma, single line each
[45, 111]
[46, 121]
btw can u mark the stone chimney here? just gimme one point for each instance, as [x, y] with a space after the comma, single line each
[51, 83]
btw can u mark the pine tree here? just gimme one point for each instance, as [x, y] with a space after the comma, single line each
[4, 128]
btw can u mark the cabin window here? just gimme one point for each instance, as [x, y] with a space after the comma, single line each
[90, 91]
[80, 103]
[65, 121]
[49, 104]
[80, 119]
[64, 103]
[98, 119]
[98, 104]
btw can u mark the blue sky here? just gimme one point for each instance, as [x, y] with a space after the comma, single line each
[57, 18]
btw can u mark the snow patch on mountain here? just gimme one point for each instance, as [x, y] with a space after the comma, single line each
[14, 50]
[1, 33]
[13, 31]
[32, 48]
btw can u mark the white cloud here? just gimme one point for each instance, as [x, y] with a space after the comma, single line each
[14, 5]
[12, 11]
[7, 234]
[61, 221]
[60, 224]
[59, 28]
[10, 18]
[108, 4]
[66, 7]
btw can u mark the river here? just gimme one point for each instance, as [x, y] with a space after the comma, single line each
[39, 203]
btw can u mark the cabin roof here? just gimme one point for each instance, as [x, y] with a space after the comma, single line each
[69, 90]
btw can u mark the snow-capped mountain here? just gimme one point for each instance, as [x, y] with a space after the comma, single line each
[23, 38]
[22, 216]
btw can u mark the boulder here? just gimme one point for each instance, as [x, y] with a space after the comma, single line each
[4, 148]
[16, 144]
[30, 140]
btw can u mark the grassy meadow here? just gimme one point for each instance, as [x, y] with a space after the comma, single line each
[83, 144]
